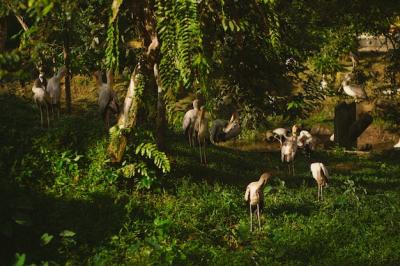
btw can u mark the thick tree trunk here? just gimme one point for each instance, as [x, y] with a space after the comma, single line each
[67, 62]
[345, 116]
[127, 118]
[3, 33]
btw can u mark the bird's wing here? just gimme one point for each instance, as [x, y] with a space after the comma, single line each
[247, 194]
[324, 170]
[359, 90]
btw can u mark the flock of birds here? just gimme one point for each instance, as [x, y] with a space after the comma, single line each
[195, 125]
[47, 96]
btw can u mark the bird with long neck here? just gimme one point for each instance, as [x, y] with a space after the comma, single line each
[321, 175]
[41, 97]
[355, 91]
[54, 90]
[201, 129]
[189, 120]
[289, 149]
[255, 197]
[108, 102]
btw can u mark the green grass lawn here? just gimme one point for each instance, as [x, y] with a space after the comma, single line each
[61, 202]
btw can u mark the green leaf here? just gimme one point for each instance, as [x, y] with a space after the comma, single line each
[231, 25]
[67, 233]
[20, 259]
[45, 239]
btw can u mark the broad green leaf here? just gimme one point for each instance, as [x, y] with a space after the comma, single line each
[45, 239]
[67, 233]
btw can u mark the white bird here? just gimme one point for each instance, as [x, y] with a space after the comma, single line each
[321, 175]
[355, 91]
[324, 83]
[289, 149]
[332, 138]
[108, 102]
[280, 134]
[189, 120]
[397, 145]
[306, 141]
[54, 90]
[41, 97]
[201, 128]
[255, 197]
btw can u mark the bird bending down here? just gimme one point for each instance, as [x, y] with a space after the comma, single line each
[307, 142]
[397, 146]
[355, 91]
[280, 134]
[108, 102]
[233, 128]
[255, 197]
[54, 90]
[321, 175]
[41, 97]
[189, 120]
[201, 127]
[289, 149]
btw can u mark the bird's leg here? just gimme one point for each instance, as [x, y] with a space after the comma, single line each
[48, 117]
[201, 157]
[41, 115]
[204, 150]
[322, 198]
[190, 136]
[293, 168]
[58, 110]
[258, 215]
[319, 188]
[251, 219]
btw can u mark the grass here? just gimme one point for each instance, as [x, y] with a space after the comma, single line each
[62, 203]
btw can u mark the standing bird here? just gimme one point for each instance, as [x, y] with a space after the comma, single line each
[355, 91]
[396, 146]
[354, 59]
[255, 197]
[324, 83]
[307, 142]
[280, 134]
[289, 149]
[41, 97]
[54, 90]
[108, 102]
[321, 175]
[201, 129]
[189, 120]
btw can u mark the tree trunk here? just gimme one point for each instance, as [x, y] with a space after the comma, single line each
[161, 122]
[345, 116]
[3, 33]
[127, 118]
[67, 62]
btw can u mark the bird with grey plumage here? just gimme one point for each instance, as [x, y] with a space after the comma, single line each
[289, 150]
[255, 197]
[353, 90]
[54, 90]
[108, 102]
[188, 122]
[41, 97]
[202, 134]
[321, 176]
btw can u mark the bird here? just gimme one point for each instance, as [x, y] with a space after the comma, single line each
[321, 175]
[41, 97]
[255, 197]
[54, 90]
[108, 102]
[232, 129]
[189, 120]
[289, 149]
[354, 59]
[307, 142]
[201, 129]
[324, 83]
[332, 138]
[396, 146]
[280, 134]
[355, 91]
